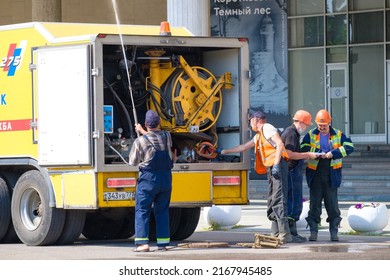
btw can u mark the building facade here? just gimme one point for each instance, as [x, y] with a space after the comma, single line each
[339, 59]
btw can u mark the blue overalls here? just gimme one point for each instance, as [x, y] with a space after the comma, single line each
[154, 187]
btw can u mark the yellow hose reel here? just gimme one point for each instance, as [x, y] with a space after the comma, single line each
[196, 96]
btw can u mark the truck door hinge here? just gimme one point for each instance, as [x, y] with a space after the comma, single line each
[95, 72]
[96, 134]
[33, 124]
[32, 66]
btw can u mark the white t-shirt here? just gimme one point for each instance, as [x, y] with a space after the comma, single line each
[269, 131]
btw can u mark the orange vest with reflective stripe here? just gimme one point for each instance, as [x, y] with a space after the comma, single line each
[267, 150]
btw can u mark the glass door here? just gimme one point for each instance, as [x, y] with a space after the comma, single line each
[338, 95]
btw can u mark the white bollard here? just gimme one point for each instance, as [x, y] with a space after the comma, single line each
[302, 223]
[222, 216]
[369, 218]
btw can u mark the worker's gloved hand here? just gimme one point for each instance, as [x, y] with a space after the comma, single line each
[275, 171]
[219, 151]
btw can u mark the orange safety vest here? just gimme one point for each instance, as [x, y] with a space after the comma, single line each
[265, 153]
[259, 166]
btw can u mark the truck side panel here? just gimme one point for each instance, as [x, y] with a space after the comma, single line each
[16, 92]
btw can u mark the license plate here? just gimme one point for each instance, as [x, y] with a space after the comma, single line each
[119, 195]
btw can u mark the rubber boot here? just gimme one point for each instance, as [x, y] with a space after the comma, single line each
[284, 232]
[274, 228]
[293, 230]
[313, 229]
[334, 228]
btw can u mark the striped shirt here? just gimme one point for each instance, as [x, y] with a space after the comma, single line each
[142, 150]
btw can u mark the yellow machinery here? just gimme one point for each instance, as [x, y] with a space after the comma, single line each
[196, 94]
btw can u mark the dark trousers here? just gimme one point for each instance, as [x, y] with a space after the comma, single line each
[277, 193]
[294, 198]
[320, 189]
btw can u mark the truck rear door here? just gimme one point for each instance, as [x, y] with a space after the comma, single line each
[62, 105]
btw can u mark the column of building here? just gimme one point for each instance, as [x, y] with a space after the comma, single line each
[192, 14]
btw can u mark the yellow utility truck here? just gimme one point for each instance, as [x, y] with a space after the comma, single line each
[70, 95]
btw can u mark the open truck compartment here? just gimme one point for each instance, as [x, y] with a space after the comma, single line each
[198, 86]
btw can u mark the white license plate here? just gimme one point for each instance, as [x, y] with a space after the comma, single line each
[119, 195]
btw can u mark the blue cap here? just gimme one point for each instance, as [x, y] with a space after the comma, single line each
[258, 115]
[152, 120]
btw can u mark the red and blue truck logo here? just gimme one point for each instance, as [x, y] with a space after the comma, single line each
[12, 61]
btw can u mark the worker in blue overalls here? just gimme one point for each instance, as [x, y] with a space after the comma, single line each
[152, 153]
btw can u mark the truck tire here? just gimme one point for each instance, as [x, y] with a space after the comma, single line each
[174, 219]
[74, 224]
[188, 222]
[128, 227]
[35, 222]
[7, 234]
[112, 223]
[10, 236]
[5, 209]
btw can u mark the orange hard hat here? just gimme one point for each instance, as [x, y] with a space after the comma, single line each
[323, 117]
[303, 116]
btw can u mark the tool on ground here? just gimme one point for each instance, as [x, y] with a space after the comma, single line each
[262, 241]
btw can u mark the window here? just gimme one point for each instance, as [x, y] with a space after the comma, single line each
[305, 7]
[367, 85]
[306, 80]
[336, 30]
[366, 27]
[359, 5]
[336, 6]
[388, 26]
[306, 32]
[336, 55]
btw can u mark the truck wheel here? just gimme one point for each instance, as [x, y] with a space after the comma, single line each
[35, 222]
[105, 224]
[74, 224]
[7, 234]
[128, 228]
[10, 236]
[5, 209]
[188, 222]
[174, 219]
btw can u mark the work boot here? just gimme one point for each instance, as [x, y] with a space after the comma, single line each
[334, 228]
[293, 230]
[284, 231]
[313, 229]
[274, 228]
[285, 234]
[313, 236]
